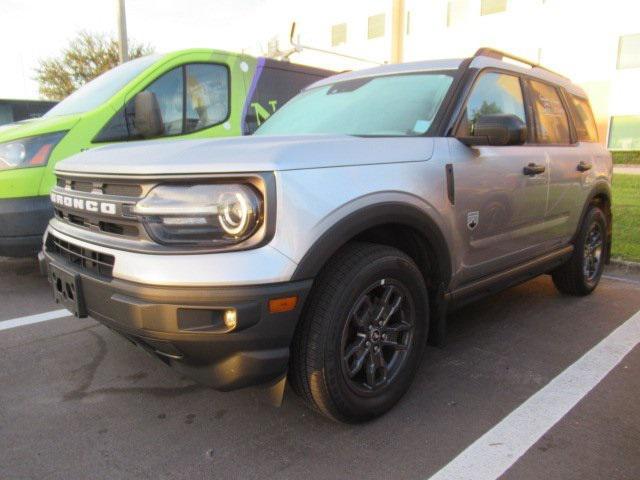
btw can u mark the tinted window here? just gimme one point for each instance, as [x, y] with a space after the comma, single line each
[207, 95]
[168, 92]
[493, 93]
[207, 103]
[551, 118]
[583, 119]
[273, 88]
[393, 105]
[6, 114]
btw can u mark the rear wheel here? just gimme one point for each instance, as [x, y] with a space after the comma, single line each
[362, 334]
[581, 274]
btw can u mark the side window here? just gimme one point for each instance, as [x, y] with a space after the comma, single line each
[274, 88]
[207, 103]
[168, 90]
[583, 119]
[207, 95]
[492, 93]
[551, 118]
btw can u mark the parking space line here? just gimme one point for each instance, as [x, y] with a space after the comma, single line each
[498, 449]
[40, 317]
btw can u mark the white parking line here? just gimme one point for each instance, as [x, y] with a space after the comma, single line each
[40, 317]
[498, 449]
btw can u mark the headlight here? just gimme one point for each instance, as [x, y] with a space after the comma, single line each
[206, 215]
[28, 152]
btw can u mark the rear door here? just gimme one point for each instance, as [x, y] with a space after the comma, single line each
[499, 209]
[554, 136]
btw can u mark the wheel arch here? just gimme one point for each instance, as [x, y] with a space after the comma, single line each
[397, 224]
[599, 195]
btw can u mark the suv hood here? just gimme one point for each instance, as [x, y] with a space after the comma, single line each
[246, 154]
[36, 126]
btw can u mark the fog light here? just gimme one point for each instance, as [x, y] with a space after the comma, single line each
[230, 319]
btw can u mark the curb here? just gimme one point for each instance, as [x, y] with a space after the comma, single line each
[625, 266]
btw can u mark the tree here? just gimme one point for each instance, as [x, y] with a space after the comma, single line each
[86, 57]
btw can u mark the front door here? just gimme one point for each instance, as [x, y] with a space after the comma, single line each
[499, 207]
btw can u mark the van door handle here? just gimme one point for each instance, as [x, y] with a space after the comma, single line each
[584, 166]
[533, 169]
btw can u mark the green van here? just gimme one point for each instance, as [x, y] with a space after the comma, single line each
[196, 93]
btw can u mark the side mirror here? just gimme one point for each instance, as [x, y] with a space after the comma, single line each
[147, 117]
[497, 130]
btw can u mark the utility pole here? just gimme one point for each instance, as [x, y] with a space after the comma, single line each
[397, 30]
[122, 31]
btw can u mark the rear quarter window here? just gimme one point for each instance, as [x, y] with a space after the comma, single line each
[583, 119]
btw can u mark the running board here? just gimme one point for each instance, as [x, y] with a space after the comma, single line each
[507, 278]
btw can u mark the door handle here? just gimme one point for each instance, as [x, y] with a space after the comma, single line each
[584, 166]
[533, 169]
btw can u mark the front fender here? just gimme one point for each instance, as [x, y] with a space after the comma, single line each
[373, 215]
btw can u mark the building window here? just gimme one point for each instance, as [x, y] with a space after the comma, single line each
[624, 132]
[456, 11]
[376, 26]
[629, 51]
[338, 34]
[488, 7]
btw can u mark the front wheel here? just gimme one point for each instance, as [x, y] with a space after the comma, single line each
[581, 274]
[362, 334]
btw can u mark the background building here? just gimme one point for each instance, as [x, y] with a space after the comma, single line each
[595, 43]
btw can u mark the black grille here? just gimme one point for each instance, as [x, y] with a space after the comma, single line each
[106, 187]
[123, 193]
[126, 229]
[85, 258]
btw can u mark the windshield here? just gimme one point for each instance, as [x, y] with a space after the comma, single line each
[101, 88]
[393, 105]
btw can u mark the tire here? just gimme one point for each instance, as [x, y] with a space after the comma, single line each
[369, 306]
[581, 274]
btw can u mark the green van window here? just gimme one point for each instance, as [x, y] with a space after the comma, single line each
[206, 92]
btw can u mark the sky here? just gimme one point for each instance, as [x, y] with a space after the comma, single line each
[31, 30]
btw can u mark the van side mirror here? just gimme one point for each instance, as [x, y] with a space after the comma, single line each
[497, 130]
[147, 117]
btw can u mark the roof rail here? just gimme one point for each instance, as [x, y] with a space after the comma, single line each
[497, 54]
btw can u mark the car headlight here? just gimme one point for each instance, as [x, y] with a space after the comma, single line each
[28, 152]
[206, 215]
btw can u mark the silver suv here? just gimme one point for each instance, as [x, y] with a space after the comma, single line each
[329, 246]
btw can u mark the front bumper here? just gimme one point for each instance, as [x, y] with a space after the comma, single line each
[183, 326]
[22, 224]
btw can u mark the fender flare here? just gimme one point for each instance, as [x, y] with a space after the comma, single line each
[599, 188]
[372, 216]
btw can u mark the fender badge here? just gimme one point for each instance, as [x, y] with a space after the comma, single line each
[473, 218]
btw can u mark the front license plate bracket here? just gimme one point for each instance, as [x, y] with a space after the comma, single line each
[67, 290]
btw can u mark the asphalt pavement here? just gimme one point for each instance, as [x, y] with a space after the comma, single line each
[79, 402]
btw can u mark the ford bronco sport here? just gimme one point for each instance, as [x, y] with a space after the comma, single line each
[329, 245]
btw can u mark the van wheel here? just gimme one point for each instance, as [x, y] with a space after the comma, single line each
[362, 333]
[581, 274]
